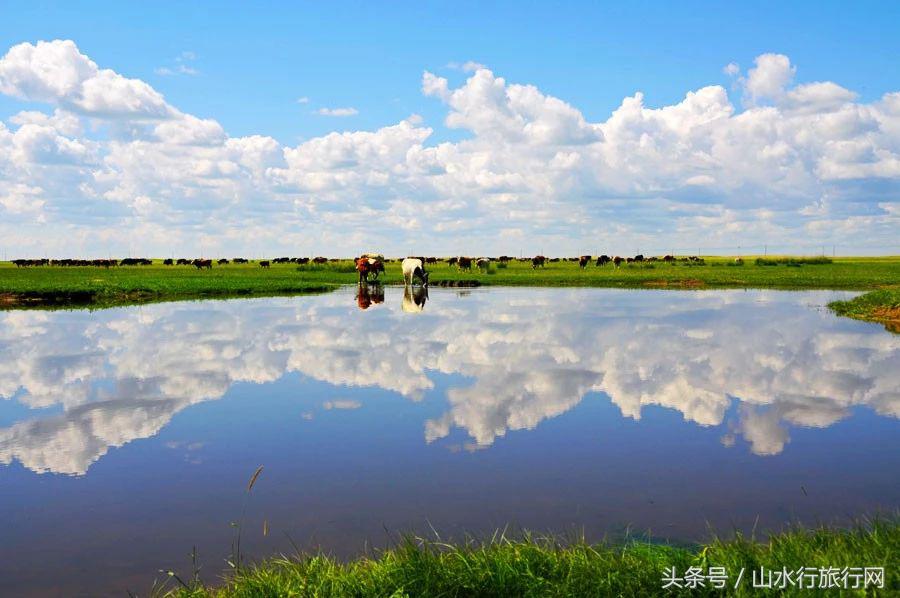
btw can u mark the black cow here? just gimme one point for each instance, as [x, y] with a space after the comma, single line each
[583, 261]
[264, 263]
[464, 263]
[538, 261]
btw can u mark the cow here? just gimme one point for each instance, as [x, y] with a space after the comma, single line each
[538, 261]
[617, 261]
[669, 259]
[431, 260]
[504, 259]
[583, 261]
[264, 263]
[639, 257]
[414, 299]
[168, 262]
[464, 263]
[320, 260]
[222, 261]
[239, 260]
[452, 261]
[603, 260]
[366, 265]
[200, 264]
[414, 267]
[27, 263]
[302, 261]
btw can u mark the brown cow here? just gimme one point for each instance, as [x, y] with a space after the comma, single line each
[538, 261]
[368, 265]
[583, 261]
[464, 263]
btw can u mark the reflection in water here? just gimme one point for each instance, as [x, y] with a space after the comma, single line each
[522, 356]
[414, 299]
[369, 293]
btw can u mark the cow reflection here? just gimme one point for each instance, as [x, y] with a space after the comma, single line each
[414, 299]
[367, 294]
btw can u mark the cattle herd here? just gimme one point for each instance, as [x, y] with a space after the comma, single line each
[367, 264]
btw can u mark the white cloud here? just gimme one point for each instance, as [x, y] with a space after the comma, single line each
[120, 375]
[181, 66]
[344, 404]
[337, 111]
[769, 78]
[58, 73]
[113, 161]
[303, 100]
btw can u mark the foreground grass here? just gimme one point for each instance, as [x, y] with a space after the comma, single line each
[533, 567]
[877, 306]
[65, 286]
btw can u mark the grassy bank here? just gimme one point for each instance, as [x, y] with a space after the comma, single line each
[547, 568]
[877, 306]
[77, 286]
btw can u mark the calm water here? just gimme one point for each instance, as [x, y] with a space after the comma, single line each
[127, 436]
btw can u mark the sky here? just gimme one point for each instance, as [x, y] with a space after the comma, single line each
[176, 129]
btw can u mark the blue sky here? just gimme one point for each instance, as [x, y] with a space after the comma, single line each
[245, 67]
[253, 64]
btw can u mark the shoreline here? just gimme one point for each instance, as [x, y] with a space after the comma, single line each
[66, 287]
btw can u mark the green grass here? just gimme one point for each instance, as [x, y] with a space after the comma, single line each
[63, 286]
[877, 306]
[99, 287]
[547, 567]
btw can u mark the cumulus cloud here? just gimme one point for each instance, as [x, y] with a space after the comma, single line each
[769, 78]
[111, 160]
[116, 376]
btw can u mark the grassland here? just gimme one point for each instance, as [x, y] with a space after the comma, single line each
[533, 567]
[44, 286]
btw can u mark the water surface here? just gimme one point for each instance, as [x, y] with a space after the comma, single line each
[127, 435]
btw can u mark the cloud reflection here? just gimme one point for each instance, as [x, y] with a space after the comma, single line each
[524, 355]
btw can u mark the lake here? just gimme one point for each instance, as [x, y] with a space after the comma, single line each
[128, 435]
